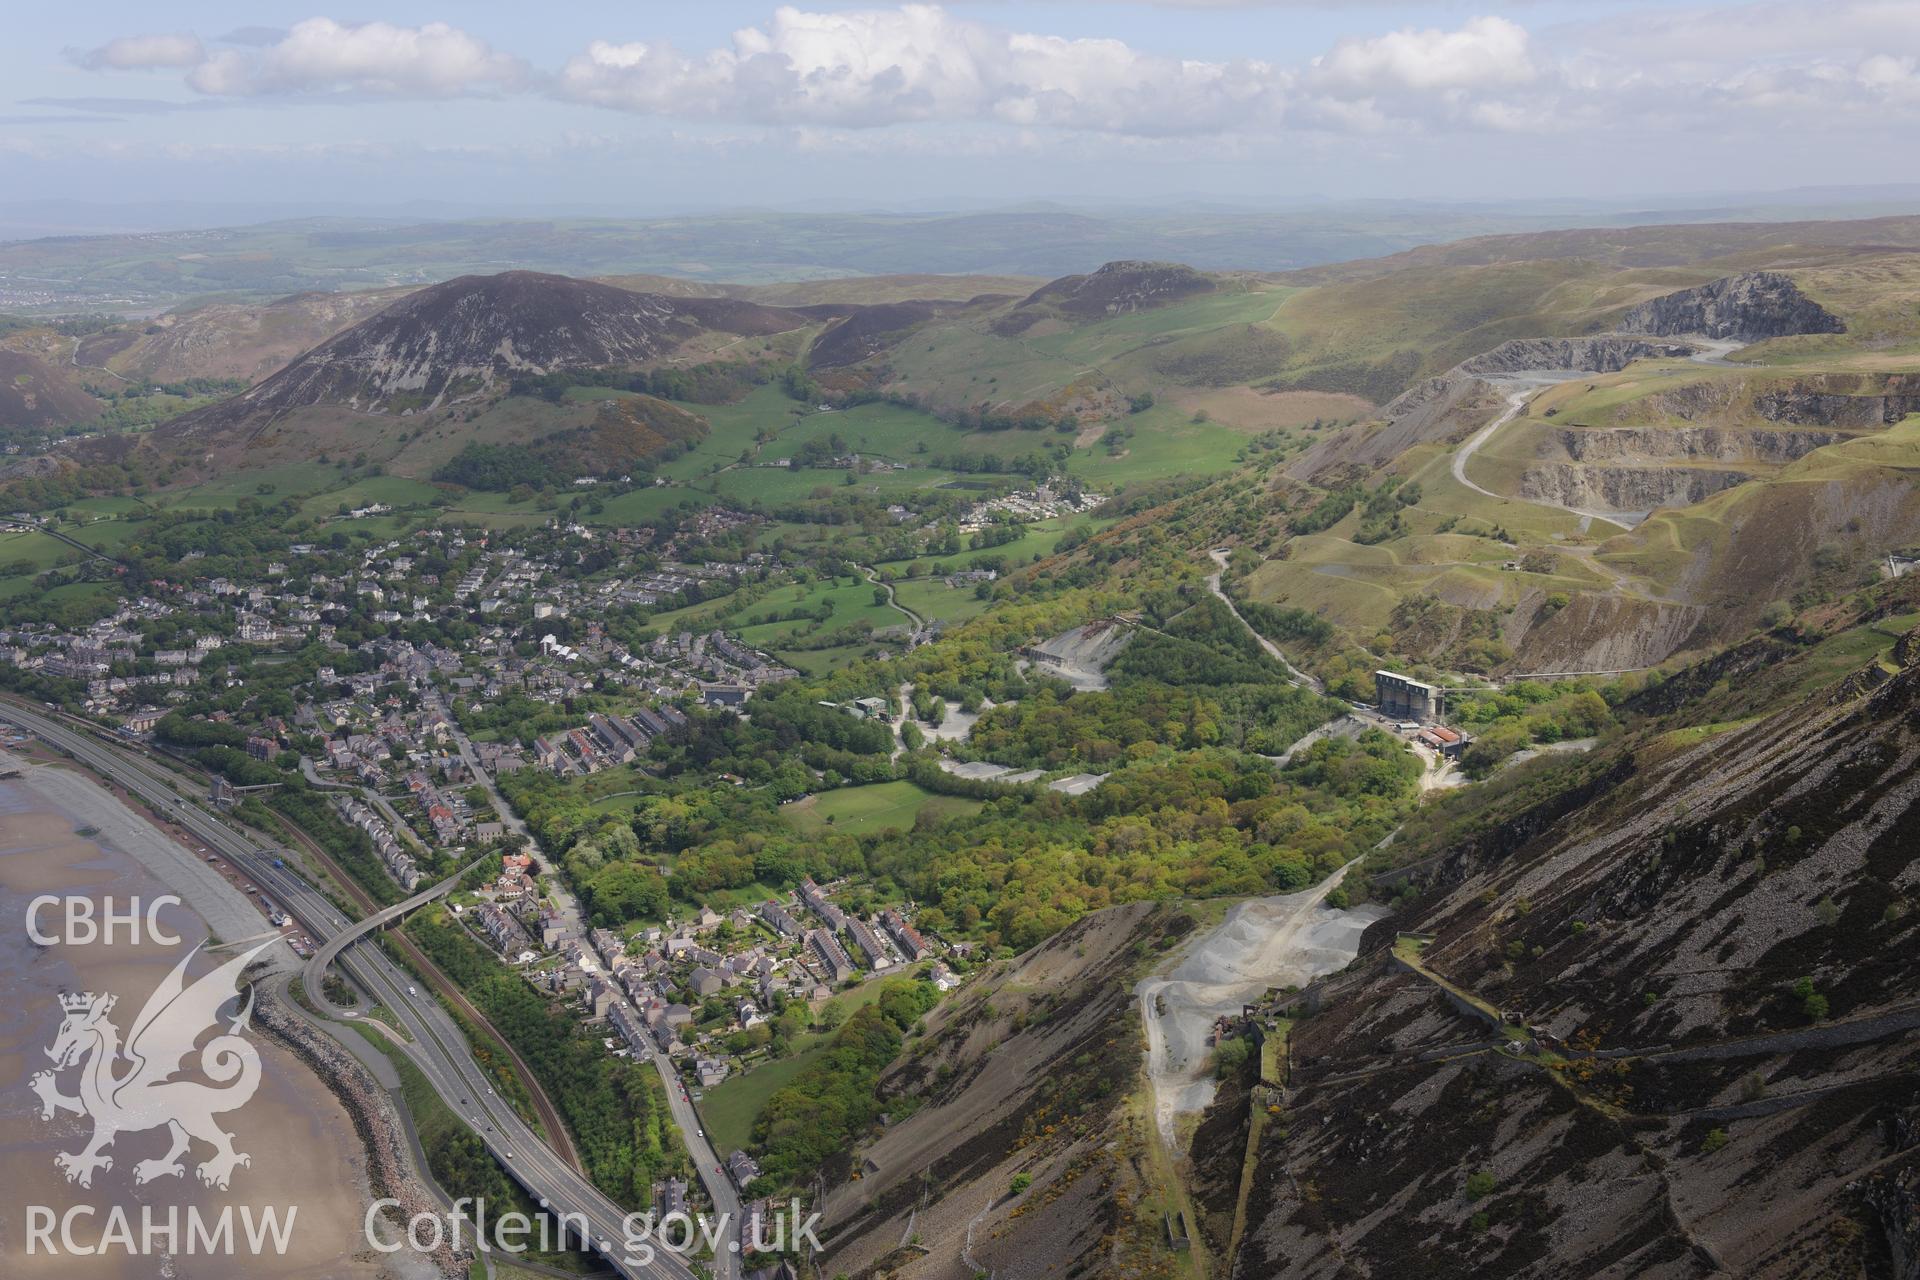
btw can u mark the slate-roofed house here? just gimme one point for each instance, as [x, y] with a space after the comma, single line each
[779, 919]
[501, 929]
[869, 944]
[911, 944]
[832, 956]
[742, 1168]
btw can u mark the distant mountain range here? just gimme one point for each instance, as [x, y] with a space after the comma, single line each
[145, 258]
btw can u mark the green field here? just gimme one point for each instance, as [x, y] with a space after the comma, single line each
[768, 426]
[295, 479]
[849, 602]
[397, 492]
[1163, 441]
[877, 806]
[898, 434]
[34, 551]
[732, 429]
[108, 535]
[97, 595]
[639, 505]
[961, 362]
[1037, 542]
[730, 1108]
[934, 599]
[84, 509]
[494, 510]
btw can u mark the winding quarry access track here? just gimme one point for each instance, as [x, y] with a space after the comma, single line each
[1295, 676]
[1523, 384]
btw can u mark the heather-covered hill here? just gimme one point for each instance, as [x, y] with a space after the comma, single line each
[35, 392]
[465, 338]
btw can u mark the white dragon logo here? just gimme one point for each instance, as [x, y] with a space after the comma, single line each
[145, 1095]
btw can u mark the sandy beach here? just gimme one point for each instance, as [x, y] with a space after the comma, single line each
[303, 1147]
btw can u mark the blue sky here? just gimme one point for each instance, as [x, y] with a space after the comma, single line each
[657, 106]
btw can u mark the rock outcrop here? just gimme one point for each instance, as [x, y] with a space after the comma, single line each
[1804, 404]
[1749, 307]
[246, 340]
[1756, 445]
[1624, 488]
[1115, 289]
[36, 393]
[1015, 1076]
[1443, 408]
[861, 333]
[1605, 632]
[1605, 353]
[1447, 407]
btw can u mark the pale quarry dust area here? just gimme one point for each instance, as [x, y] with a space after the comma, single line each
[1262, 944]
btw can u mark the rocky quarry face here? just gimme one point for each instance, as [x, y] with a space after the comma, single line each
[1605, 488]
[1465, 396]
[1803, 404]
[1749, 307]
[1757, 445]
[1608, 353]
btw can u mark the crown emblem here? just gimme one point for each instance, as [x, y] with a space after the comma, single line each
[147, 1094]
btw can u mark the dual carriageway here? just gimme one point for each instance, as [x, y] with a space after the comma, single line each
[434, 1043]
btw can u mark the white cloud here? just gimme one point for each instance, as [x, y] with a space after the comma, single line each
[1694, 37]
[875, 67]
[144, 53]
[1874, 84]
[320, 55]
[1483, 75]
[918, 66]
[1786, 64]
[1484, 53]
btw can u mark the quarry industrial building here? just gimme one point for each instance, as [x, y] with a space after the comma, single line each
[1404, 698]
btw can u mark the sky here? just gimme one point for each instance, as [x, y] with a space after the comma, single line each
[653, 107]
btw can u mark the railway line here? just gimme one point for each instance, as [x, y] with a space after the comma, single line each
[434, 1042]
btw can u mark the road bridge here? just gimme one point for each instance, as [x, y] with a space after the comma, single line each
[313, 979]
[434, 1042]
